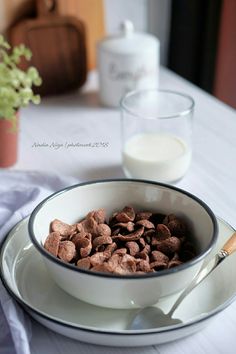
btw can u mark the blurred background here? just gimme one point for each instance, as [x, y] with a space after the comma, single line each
[198, 37]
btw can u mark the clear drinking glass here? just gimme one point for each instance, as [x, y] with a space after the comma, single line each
[157, 134]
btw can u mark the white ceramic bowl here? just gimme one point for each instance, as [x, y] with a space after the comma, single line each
[116, 291]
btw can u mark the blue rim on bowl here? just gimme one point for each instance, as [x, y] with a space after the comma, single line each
[160, 273]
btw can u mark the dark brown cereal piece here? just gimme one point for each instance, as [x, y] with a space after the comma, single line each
[103, 230]
[128, 263]
[98, 258]
[100, 216]
[102, 240]
[146, 249]
[122, 217]
[114, 261]
[169, 218]
[84, 263]
[126, 215]
[85, 251]
[122, 265]
[125, 225]
[133, 247]
[80, 235]
[120, 251]
[146, 223]
[142, 242]
[129, 210]
[115, 232]
[143, 265]
[73, 233]
[149, 235]
[121, 271]
[169, 246]
[157, 218]
[163, 232]
[159, 256]
[130, 226]
[155, 241]
[174, 261]
[103, 268]
[80, 227]
[100, 248]
[110, 249]
[144, 254]
[112, 220]
[61, 227]
[143, 215]
[52, 243]
[177, 227]
[83, 243]
[66, 251]
[158, 265]
[90, 225]
[130, 237]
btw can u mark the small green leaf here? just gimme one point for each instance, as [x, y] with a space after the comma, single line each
[36, 99]
[4, 43]
[16, 84]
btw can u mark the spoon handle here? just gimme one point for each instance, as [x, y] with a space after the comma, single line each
[228, 248]
[187, 290]
[230, 245]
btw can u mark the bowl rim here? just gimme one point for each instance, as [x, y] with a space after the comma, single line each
[160, 273]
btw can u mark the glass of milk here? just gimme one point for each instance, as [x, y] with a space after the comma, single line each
[157, 134]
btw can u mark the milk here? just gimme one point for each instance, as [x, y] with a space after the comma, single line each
[159, 157]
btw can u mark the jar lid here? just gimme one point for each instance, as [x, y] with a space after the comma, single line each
[127, 41]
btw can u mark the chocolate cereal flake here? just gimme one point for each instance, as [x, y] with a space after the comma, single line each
[66, 251]
[52, 243]
[61, 227]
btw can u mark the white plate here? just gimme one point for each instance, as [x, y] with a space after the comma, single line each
[28, 282]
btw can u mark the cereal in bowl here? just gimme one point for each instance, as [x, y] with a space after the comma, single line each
[128, 243]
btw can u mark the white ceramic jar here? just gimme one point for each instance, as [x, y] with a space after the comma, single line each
[126, 62]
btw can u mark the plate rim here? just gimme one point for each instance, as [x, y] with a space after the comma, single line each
[151, 331]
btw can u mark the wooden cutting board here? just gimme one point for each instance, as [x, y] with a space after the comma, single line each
[58, 46]
[91, 12]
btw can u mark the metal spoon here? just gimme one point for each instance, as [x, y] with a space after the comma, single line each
[153, 317]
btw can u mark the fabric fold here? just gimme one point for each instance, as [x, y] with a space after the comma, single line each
[20, 192]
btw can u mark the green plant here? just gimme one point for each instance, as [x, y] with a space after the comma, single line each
[16, 84]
